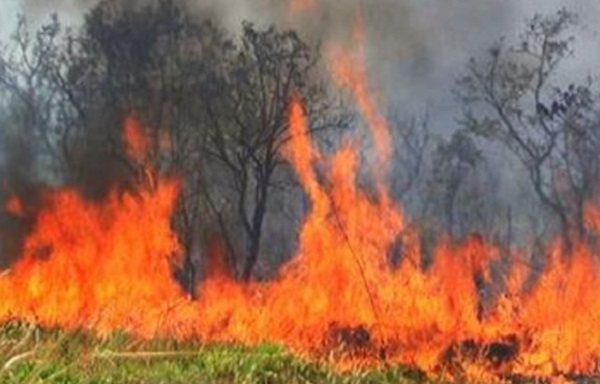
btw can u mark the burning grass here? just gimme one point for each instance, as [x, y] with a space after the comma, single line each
[107, 266]
[30, 354]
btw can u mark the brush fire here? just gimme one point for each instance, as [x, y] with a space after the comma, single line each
[466, 309]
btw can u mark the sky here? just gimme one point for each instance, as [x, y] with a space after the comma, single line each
[416, 48]
[8, 10]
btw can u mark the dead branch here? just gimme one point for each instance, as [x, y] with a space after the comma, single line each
[142, 354]
[17, 358]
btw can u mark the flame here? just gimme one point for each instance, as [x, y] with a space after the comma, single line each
[108, 266]
[136, 143]
[297, 6]
[14, 206]
[350, 71]
[79, 262]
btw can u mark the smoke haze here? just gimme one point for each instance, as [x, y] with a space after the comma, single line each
[415, 48]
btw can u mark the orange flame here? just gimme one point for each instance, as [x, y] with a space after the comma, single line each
[107, 266]
[297, 6]
[136, 143]
[14, 206]
[350, 72]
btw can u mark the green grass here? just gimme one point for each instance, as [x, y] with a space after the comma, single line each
[29, 354]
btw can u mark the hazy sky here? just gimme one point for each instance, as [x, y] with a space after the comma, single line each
[416, 48]
[8, 10]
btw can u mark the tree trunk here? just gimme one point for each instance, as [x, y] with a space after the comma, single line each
[256, 232]
[566, 233]
[580, 217]
[189, 270]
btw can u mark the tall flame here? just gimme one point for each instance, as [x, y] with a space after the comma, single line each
[350, 71]
[108, 266]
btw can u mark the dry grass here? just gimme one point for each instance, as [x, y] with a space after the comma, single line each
[29, 354]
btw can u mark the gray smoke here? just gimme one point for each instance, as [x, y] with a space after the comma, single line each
[413, 47]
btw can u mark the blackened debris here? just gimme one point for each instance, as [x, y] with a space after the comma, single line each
[496, 355]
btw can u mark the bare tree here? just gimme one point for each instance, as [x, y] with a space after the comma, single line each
[513, 97]
[26, 81]
[214, 110]
[152, 59]
[72, 92]
[412, 147]
[248, 122]
[455, 162]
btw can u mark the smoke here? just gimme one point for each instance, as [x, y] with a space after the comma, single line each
[17, 177]
[413, 47]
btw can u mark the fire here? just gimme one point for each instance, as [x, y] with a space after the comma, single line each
[78, 264]
[301, 5]
[14, 206]
[108, 266]
[350, 71]
[136, 142]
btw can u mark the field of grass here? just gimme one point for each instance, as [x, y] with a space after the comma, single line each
[29, 354]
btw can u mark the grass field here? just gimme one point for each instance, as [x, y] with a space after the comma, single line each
[29, 354]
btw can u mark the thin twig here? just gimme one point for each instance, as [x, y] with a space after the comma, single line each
[142, 354]
[30, 331]
[355, 255]
[17, 358]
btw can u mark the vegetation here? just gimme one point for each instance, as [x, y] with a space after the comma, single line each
[29, 354]
[515, 96]
[214, 103]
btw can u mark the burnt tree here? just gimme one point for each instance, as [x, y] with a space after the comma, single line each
[247, 109]
[514, 97]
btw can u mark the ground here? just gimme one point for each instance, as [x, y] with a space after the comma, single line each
[30, 354]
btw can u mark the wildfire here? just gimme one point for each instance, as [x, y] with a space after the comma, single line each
[350, 72]
[108, 265]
